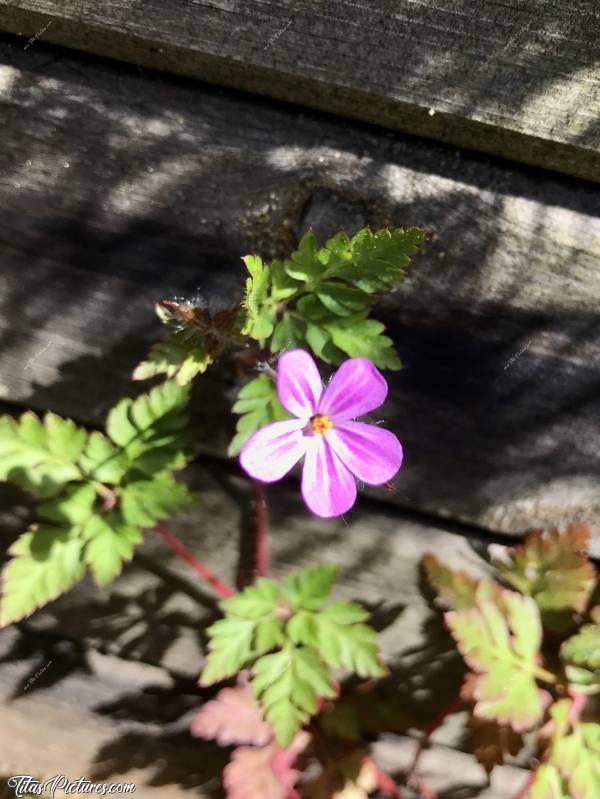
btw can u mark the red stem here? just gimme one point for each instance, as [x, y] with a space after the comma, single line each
[452, 707]
[222, 589]
[262, 543]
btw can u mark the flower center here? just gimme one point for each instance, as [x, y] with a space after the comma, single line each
[320, 423]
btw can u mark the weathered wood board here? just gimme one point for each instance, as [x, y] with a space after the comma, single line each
[517, 79]
[119, 188]
[112, 721]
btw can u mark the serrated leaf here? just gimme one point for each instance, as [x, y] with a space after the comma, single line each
[359, 337]
[103, 461]
[289, 333]
[40, 457]
[581, 654]
[552, 567]
[491, 742]
[230, 648]
[144, 502]
[150, 429]
[284, 682]
[73, 506]
[46, 562]
[233, 717]
[304, 264]
[310, 588]
[259, 405]
[321, 343]
[548, 784]
[345, 644]
[577, 757]
[177, 357]
[502, 649]
[254, 602]
[283, 286]
[110, 543]
[261, 315]
[455, 590]
[343, 300]
[379, 259]
[264, 772]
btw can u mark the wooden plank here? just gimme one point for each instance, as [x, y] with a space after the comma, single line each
[135, 719]
[516, 79]
[121, 188]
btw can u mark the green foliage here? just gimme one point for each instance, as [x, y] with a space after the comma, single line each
[502, 650]
[505, 637]
[96, 492]
[176, 358]
[324, 295]
[257, 404]
[292, 644]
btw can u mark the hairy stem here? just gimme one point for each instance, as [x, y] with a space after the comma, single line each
[262, 543]
[222, 589]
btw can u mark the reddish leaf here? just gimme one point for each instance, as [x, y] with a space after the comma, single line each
[264, 772]
[233, 718]
[491, 742]
[455, 590]
[552, 567]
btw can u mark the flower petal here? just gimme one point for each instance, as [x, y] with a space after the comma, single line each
[273, 450]
[356, 388]
[328, 487]
[299, 383]
[371, 453]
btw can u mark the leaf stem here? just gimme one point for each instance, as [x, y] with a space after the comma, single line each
[222, 589]
[529, 782]
[544, 675]
[262, 543]
[453, 706]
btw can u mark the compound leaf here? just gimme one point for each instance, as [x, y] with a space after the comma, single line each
[40, 456]
[344, 643]
[102, 460]
[548, 784]
[46, 562]
[110, 542]
[577, 757]
[230, 648]
[491, 742]
[73, 506]
[144, 502]
[259, 405]
[581, 654]
[360, 337]
[233, 717]
[260, 311]
[177, 357]
[502, 649]
[311, 587]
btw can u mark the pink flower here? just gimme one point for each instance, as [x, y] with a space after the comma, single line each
[336, 449]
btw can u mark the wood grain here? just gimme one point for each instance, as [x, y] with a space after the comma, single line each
[119, 188]
[517, 79]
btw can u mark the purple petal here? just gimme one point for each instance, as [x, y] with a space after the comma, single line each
[273, 450]
[328, 487]
[356, 388]
[372, 454]
[299, 383]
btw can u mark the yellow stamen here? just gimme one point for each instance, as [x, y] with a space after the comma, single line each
[320, 423]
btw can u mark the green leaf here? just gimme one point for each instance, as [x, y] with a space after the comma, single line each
[577, 757]
[289, 333]
[304, 263]
[581, 654]
[144, 502]
[311, 587]
[322, 345]
[150, 429]
[502, 649]
[284, 286]
[259, 404]
[73, 506]
[548, 784]
[254, 602]
[312, 309]
[102, 461]
[46, 562]
[110, 542]
[287, 684]
[552, 567]
[40, 457]
[346, 644]
[343, 300]
[261, 315]
[176, 357]
[455, 589]
[230, 648]
[359, 337]
[379, 259]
